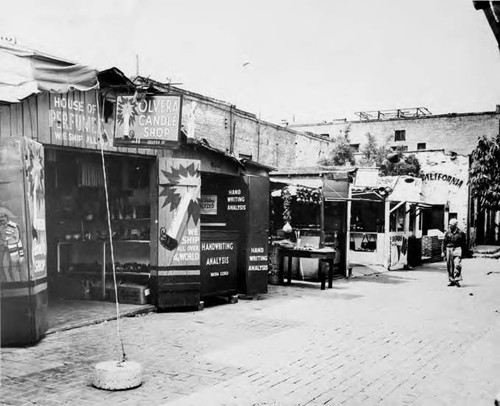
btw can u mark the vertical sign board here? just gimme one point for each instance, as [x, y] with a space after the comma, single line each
[398, 250]
[219, 255]
[35, 200]
[23, 247]
[178, 269]
[153, 121]
[256, 252]
[235, 202]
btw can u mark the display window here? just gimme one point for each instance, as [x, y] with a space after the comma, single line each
[367, 216]
[79, 253]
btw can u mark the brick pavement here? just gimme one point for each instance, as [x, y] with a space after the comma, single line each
[391, 339]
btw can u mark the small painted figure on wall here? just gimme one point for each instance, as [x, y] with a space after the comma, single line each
[11, 247]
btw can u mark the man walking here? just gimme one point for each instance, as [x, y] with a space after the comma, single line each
[453, 249]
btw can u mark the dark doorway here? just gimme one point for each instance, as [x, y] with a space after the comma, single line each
[433, 218]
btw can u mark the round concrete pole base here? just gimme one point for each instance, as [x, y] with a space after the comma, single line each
[113, 375]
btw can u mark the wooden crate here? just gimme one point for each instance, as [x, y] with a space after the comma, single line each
[130, 294]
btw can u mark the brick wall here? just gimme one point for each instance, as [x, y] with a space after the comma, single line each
[207, 120]
[226, 127]
[266, 143]
[457, 132]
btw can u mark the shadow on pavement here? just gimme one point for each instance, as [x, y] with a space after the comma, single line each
[431, 267]
[299, 289]
[386, 277]
[308, 284]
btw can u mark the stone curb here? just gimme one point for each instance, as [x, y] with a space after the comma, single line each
[495, 255]
[85, 323]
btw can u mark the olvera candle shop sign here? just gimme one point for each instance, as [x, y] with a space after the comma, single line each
[153, 121]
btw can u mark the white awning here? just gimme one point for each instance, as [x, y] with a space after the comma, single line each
[24, 72]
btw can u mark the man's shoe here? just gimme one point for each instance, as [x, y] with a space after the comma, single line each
[457, 284]
[451, 284]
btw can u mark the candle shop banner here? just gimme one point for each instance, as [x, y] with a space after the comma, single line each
[153, 121]
[179, 217]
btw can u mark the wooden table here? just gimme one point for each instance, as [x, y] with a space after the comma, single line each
[324, 256]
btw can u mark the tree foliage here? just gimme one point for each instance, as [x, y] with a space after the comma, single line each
[375, 155]
[372, 154]
[485, 172]
[340, 154]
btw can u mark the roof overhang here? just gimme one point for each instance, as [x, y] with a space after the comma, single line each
[314, 183]
[330, 172]
[115, 78]
[250, 163]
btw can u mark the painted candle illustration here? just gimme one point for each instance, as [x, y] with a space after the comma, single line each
[126, 114]
[181, 193]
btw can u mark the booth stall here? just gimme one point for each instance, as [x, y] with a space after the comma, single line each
[23, 275]
[166, 251]
[399, 221]
[79, 249]
[385, 220]
[309, 212]
[231, 232]
[25, 125]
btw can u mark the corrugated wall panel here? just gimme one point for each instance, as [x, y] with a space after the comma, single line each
[42, 108]
[5, 128]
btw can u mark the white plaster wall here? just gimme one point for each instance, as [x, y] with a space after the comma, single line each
[442, 190]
